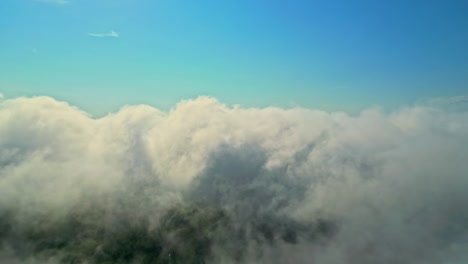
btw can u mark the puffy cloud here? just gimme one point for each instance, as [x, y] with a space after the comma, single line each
[296, 184]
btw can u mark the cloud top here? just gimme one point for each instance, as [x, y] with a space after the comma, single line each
[236, 185]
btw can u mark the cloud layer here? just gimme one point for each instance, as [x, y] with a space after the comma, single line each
[232, 185]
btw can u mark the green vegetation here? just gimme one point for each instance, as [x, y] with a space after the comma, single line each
[182, 234]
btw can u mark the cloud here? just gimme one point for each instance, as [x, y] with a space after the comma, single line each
[112, 34]
[454, 103]
[449, 100]
[58, 2]
[205, 182]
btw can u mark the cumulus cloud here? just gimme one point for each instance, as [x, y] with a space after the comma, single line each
[111, 34]
[209, 183]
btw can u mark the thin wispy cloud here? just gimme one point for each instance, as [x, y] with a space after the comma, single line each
[459, 102]
[450, 100]
[111, 34]
[58, 2]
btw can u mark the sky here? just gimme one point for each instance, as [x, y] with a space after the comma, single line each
[334, 55]
[309, 126]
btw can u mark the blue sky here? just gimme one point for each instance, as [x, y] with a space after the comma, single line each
[329, 54]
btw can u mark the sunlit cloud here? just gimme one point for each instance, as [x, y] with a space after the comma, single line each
[295, 185]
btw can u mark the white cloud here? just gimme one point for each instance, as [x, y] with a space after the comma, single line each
[112, 34]
[396, 183]
[59, 2]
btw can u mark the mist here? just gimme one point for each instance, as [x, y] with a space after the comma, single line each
[209, 183]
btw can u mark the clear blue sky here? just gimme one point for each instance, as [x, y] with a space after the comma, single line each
[329, 54]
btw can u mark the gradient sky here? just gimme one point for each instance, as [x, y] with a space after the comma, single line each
[334, 55]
